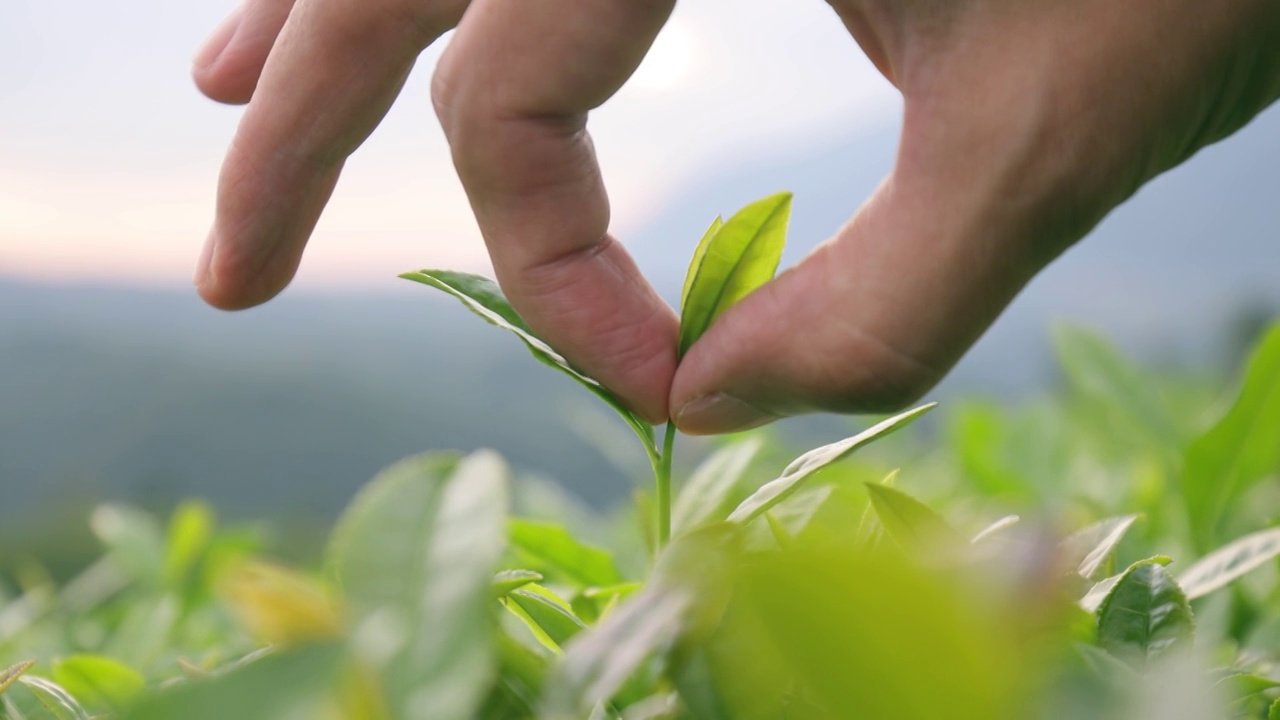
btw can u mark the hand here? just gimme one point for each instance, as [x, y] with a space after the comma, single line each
[1026, 122]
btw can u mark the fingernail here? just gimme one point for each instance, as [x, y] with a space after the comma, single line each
[218, 40]
[205, 262]
[719, 413]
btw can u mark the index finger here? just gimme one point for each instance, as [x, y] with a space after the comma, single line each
[512, 92]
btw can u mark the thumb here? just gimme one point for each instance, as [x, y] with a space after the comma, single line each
[873, 318]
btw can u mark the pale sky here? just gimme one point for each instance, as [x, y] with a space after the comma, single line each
[109, 156]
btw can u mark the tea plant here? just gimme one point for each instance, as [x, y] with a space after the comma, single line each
[826, 592]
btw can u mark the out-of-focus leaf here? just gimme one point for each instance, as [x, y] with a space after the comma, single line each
[870, 529]
[553, 619]
[190, 531]
[698, 254]
[1108, 380]
[794, 475]
[911, 524]
[295, 684]
[1092, 599]
[1238, 687]
[483, 297]
[53, 698]
[133, 541]
[415, 555]
[280, 606]
[1230, 562]
[1145, 615]
[1238, 451]
[508, 580]
[1274, 712]
[685, 594]
[709, 490]
[995, 528]
[99, 683]
[11, 674]
[145, 631]
[1090, 550]
[563, 554]
[732, 262]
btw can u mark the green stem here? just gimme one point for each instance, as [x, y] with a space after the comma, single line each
[662, 473]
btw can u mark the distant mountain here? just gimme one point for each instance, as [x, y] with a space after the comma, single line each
[1165, 273]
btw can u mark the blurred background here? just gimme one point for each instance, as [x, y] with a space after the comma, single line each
[117, 383]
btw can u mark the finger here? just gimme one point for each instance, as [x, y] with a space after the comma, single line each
[876, 316]
[227, 66]
[329, 80]
[512, 93]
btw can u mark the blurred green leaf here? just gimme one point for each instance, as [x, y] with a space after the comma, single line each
[1145, 615]
[415, 555]
[508, 580]
[870, 529]
[484, 298]
[731, 262]
[1274, 713]
[995, 528]
[133, 541]
[911, 524]
[1238, 687]
[705, 498]
[1090, 550]
[55, 700]
[685, 593]
[563, 553]
[190, 532]
[794, 475]
[1126, 400]
[1238, 451]
[294, 684]
[1230, 562]
[99, 683]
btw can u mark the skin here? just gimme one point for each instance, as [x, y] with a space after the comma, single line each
[1026, 122]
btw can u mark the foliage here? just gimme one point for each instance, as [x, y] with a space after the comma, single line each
[831, 588]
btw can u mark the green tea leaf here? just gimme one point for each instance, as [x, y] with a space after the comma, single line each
[1229, 563]
[686, 592]
[552, 618]
[732, 262]
[296, 684]
[564, 554]
[995, 528]
[508, 580]
[911, 524]
[870, 530]
[709, 490]
[99, 683]
[1238, 687]
[1274, 712]
[1090, 550]
[484, 298]
[794, 475]
[1240, 449]
[1145, 616]
[11, 674]
[699, 253]
[190, 530]
[133, 541]
[415, 555]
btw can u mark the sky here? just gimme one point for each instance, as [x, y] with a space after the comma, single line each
[109, 156]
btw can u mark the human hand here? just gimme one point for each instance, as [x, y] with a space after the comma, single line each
[1026, 122]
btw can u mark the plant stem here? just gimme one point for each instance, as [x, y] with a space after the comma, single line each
[662, 473]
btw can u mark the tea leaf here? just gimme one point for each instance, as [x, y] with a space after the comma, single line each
[811, 462]
[190, 530]
[704, 498]
[133, 541]
[1240, 449]
[912, 524]
[1145, 615]
[1230, 562]
[564, 554]
[699, 253]
[279, 606]
[294, 684]
[1274, 712]
[555, 620]
[100, 683]
[53, 698]
[995, 528]
[415, 555]
[484, 298]
[732, 262]
[1238, 687]
[686, 591]
[508, 580]
[1090, 549]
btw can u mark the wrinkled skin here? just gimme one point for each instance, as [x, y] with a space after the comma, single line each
[1025, 122]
